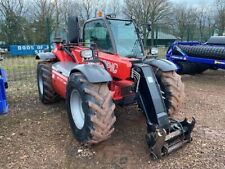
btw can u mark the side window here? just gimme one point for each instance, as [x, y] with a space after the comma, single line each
[96, 32]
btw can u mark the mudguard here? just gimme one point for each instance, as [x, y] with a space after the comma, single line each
[94, 73]
[163, 64]
[45, 56]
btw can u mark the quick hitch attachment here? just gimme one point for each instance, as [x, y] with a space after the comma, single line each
[162, 142]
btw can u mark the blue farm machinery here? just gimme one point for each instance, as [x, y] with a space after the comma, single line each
[3, 86]
[196, 57]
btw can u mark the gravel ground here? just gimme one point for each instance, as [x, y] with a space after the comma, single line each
[38, 136]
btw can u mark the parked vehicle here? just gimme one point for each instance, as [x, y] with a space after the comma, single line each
[107, 69]
[196, 57]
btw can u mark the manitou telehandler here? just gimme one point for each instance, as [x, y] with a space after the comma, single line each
[107, 67]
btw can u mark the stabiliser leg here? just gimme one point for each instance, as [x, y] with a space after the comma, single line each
[164, 135]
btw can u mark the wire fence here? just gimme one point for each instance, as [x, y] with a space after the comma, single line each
[19, 68]
[23, 68]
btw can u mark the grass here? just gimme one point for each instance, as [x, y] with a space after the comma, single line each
[162, 52]
[19, 68]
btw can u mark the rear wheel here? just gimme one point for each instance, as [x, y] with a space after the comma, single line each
[172, 90]
[46, 91]
[90, 109]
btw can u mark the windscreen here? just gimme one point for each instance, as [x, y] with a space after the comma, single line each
[126, 38]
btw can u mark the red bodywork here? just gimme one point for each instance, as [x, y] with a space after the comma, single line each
[118, 67]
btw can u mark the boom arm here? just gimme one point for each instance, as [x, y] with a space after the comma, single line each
[164, 135]
[150, 91]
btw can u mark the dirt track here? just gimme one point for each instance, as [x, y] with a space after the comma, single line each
[38, 136]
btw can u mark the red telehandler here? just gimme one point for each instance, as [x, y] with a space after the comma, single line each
[105, 68]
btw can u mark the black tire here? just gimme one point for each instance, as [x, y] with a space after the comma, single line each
[204, 51]
[46, 91]
[172, 90]
[191, 68]
[93, 104]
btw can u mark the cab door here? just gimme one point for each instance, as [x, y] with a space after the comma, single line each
[96, 31]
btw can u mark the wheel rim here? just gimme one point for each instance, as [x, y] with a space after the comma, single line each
[77, 109]
[40, 83]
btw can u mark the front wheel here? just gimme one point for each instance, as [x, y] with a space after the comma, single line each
[90, 109]
[172, 90]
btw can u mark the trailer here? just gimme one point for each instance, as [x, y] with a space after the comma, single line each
[196, 57]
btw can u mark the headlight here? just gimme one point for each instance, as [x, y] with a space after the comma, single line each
[87, 54]
[154, 51]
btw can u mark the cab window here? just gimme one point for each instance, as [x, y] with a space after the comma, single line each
[96, 32]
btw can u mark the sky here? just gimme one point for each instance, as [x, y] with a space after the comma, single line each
[206, 4]
[189, 3]
[195, 3]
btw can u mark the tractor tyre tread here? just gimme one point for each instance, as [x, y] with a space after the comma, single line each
[173, 90]
[99, 110]
[49, 95]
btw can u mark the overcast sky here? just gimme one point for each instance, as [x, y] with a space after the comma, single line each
[189, 3]
[194, 2]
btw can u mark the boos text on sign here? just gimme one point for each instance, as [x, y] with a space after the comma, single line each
[23, 50]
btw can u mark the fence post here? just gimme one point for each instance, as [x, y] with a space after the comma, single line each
[48, 34]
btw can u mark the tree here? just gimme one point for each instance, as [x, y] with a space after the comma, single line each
[88, 7]
[44, 9]
[205, 23]
[144, 11]
[180, 22]
[12, 25]
[185, 22]
[220, 17]
[115, 7]
[192, 23]
[201, 22]
[210, 25]
[69, 8]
